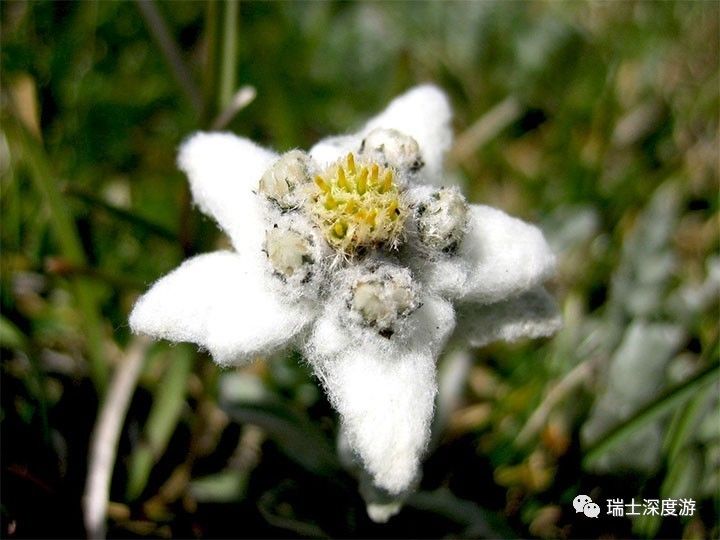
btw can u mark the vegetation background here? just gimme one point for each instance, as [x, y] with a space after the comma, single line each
[598, 121]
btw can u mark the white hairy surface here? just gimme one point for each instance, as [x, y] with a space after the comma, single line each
[422, 113]
[222, 302]
[384, 389]
[224, 171]
[280, 289]
[533, 314]
[500, 256]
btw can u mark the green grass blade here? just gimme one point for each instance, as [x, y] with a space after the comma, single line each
[164, 415]
[211, 66]
[654, 410]
[171, 52]
[11, 337]
[294, 432]
[680, 430]
[228, 54]
[63, 227]
[133, 219]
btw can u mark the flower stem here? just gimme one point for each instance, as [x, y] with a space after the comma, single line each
[106, 433]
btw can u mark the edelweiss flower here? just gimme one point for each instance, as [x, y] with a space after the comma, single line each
[351, 254]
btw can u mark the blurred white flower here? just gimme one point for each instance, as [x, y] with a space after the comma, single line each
[350, 253]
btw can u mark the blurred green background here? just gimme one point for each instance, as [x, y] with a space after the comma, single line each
[598, 121]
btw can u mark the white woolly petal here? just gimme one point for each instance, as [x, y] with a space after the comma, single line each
[381, 513]
[533, 314]
[423, 113]
[329, 150]
[224, 170]
[444, 275]
[220, 302]
[384, 389]
[499, 257]
[505, 255]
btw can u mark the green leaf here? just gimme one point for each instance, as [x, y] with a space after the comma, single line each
[641, 279]
[247, 400]
[477, 521]
[121, 214]
[635, 376]
[225, 486]
[686, 422]
[653, 411]
[10, 335]
[68, 239]
[164, 416]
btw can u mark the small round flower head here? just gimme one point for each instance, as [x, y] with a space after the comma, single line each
[392, 149]
[358, 205]
[293, 251]
[381, 296]
[441, 219]
[281, 182]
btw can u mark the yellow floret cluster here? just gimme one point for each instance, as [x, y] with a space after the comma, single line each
[358, 204]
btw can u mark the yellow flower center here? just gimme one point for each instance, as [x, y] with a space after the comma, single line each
[358, 205]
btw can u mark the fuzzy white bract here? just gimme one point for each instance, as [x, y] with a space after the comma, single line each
[351, 254]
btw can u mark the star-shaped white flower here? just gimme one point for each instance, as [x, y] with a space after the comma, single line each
[351, 254]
